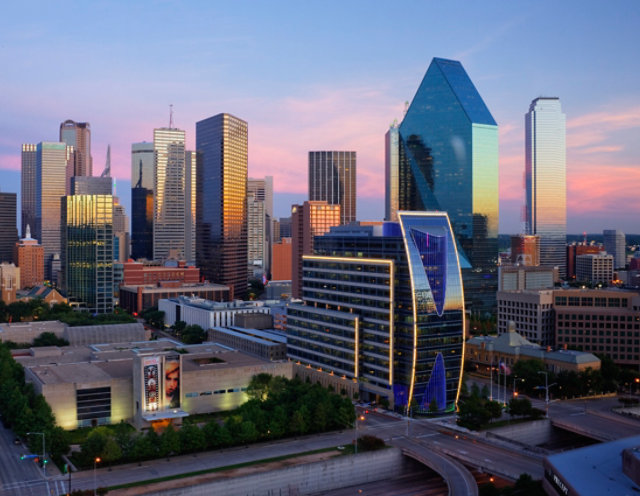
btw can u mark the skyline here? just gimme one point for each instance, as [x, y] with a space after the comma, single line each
[311, 78]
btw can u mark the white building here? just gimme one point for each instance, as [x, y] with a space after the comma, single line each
[594, 268]
[545, 180]
[531, 312]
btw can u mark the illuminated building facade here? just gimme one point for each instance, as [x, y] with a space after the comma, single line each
[525, 250]
[259, 218]
[78, 136]
[169, 194]
[28, 187]
[384, 306]
[332, 178]
[87, 258]
[444, 157]
[308, 220]
[142, 185]
[221, 208]
[546, 180]
[190, 206]
[50, 181]
[29, 256]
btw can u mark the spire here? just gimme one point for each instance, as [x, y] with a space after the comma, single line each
[107, 168]
[28, 236]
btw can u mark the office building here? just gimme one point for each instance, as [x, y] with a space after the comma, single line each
[285, 227]
[546, 180]
[525, 250]
[383, 306]
[120, 232]
[221, 210]
[138, 298]
[531, 312]
[517, 277]
[332, 178]
[78, 136]
[190, 206]
[602, 321]
[594, 269]
[87, 257]
[142, 184]
[575, 250]
[9, 236]
[444, 157]
[615, 243]
[307, 221]
[260, 233]
[91, 185]
[29, 256]
[28, 187]
[282, 260]
[51, 165]
[169, 194]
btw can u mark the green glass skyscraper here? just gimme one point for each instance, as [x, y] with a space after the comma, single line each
[444, 157]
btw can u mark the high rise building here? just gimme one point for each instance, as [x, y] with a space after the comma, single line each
[51, 164]
[190, 206]
[28, 187]
[312, 218]
[78, 136]
[383, 306]
[546, 180]
[8, 229]
[260, 215]
[120, 232]
[91, 185]
[615, 243]
[332, 178]
[169, 194]
[444, 157]
[9, 282]
[29, 256]
[87, 257]
[142, 184]
[221, 209]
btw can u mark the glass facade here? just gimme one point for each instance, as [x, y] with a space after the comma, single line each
[142, 182]
[444, 157]
[332, 178]
[28, 187]
[546, 180]
[87, 260]
[403, 283]
[169, 199]
[221, 201]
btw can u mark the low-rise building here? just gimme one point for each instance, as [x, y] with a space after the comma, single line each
[269, 345]
[136, 299]
[517, 277]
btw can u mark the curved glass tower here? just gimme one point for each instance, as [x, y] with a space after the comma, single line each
[444, 157]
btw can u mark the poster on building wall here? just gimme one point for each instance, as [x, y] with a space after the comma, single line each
[150, 368]
[172, 381]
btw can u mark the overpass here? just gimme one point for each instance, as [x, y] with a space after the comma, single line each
[598, 425]
[458, 478]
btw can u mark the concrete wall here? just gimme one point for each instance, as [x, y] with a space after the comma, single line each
[328, 475]
[529, 433]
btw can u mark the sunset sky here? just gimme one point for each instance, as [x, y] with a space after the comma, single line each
[329, 75]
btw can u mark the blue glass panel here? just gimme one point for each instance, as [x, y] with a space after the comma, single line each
[437, 386]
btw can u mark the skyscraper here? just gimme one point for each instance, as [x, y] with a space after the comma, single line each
[221, 208]
[615, 243]
[444, 157]
[546, 180]
[87, 255]
[28, 187]
[77, 135]
[29, 256]
[312, 218]
[120, 232]
[169, 194]
[332, 178]
[142, 184]
[8, 229]
[383, 306]
[190, 206]
[51, 164]
[260, 215]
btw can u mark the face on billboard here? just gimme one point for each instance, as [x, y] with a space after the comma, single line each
[151, 383]
[172, 381]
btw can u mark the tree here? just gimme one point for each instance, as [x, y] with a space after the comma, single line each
[433, 405]
[494, 408]
[519, 407]
[179, 327]
[191, 439]
[258, 387]
[49, 339]
[169, 442]
[193, 334]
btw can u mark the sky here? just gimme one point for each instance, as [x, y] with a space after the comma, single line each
[330, 75]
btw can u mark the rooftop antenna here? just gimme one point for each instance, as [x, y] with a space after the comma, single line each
[171, 116]
[107, 168]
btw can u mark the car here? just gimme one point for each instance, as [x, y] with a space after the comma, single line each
[16, 440]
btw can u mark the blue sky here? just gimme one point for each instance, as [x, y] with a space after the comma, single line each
[329, 75]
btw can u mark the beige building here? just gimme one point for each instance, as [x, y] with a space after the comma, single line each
[530, 311]
[594, 268]
[515, 277]
[146, 383]
[9, 282]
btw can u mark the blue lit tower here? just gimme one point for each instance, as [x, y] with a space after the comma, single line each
[444, 156]
[383, 306]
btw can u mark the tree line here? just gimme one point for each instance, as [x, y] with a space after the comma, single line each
[38, 309]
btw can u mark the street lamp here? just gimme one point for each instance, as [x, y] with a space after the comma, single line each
[44, 464]
[546, 388]
[515, 393]
[96, 460]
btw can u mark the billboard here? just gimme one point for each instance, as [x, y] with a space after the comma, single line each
[172, 381]
[150, 368]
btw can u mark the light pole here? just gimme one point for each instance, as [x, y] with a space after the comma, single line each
[96, 460]
[546, 388]
[359, 417]
[44, 465]
[515, 393]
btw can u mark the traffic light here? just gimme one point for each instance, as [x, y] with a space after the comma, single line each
[65, 469]
[21, 457]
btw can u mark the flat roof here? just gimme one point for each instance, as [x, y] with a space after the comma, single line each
[595, 469]
[256, 334]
